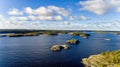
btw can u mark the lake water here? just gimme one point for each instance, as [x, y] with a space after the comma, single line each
[35, 51]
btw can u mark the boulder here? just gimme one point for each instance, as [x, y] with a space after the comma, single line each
[66, 46]
[56, 48]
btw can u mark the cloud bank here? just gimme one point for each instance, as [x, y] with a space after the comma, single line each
[100, 7]
[52, 13]
[54, 17]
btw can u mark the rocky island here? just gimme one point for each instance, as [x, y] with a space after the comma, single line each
[59, 47]
[105, 59]
[73, 41]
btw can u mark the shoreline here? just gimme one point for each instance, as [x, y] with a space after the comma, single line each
[104, 59]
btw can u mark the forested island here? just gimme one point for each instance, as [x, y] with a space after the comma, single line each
[20, 33]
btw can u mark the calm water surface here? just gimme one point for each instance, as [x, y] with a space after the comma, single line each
[35, 51]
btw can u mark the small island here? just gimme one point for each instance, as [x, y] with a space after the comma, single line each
[59, 47]
[84, 35]
[105, 59]
[73, 41]
[20, 34]
[51, 33]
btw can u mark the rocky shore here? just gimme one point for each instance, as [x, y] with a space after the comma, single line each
[105, 59]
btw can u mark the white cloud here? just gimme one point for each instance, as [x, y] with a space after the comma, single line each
[58, 18]
[39, 11]
[50, 13]
[15, 12]
[72, 18]
[47, 11]
[84, 18]
[20, 18]
[36, 18]
[100, 7]
[114, 2]
[79, 18]
[31, 17]
[49, 18]
[1, 16]
[66, 23]
[118, 9]
[45, 18]
[29, 10]
[59, 10]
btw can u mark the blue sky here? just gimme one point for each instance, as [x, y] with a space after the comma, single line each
[60, 14]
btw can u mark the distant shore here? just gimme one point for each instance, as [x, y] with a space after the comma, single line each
[21, 33]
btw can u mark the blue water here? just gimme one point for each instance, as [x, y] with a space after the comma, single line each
[35, 51]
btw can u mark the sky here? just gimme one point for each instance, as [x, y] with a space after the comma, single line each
[60, 14]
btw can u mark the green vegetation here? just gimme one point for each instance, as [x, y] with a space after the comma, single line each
[108, 32]
[32, 33]
[14, 35]
[102, 32]
[73, 41]
[85, 35]
[21, 34]
[105, 59]
[51, 33]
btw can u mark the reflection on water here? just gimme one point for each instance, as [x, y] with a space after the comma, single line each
[35, 51]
